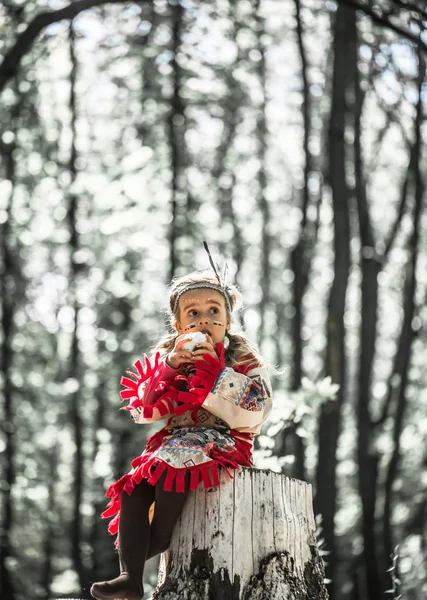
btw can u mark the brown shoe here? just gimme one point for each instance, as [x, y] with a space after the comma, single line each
[117, 589]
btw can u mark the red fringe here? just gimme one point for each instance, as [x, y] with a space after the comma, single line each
[178, 396]
[180, 480]
[157, 473]
[164, 405]
[136, 381]
[151, 468]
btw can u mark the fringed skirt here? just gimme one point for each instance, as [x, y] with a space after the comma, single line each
[177, 450]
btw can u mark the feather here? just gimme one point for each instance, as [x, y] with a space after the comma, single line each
[215, 268]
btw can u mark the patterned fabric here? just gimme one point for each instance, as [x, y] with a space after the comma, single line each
[206, 430]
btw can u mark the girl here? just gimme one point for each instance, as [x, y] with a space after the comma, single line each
[215, 398]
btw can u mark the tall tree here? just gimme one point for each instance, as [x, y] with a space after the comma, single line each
[335, 360]
[222, 171]
[75, 358]
[176, 126]
[302, 254]
[262, 138]
[375, 564]
[371, 266]
[407, 334]
[10, 274]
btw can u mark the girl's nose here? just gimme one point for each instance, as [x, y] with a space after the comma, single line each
[203, 321]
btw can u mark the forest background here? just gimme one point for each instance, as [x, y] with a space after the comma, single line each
[290, 135]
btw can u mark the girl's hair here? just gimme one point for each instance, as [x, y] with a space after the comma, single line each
[240, 350]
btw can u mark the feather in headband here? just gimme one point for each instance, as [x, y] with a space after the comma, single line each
[221, 287]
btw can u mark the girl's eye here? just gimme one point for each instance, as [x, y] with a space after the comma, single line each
[214, 310]
[192, 312]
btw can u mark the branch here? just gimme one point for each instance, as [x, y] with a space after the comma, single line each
[384, 22]
[404, 4]
[12, 59]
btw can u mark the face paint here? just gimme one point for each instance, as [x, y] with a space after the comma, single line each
[202, 310]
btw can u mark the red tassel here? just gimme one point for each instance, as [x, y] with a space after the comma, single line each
[135, 404]
[194, 478]
[137, 461]
[198, 381]
[129, 486]
[162, 409]
[215, 476]
[204, 471]
[155, 475]
[180, 480]
[138, 367]
[132, 375]
[111, 511]
[170, 477]
[147, 412]
[126, 382]
[116, 488]
[138, 476]
[113, 526]
[191, 398]
[125, 394]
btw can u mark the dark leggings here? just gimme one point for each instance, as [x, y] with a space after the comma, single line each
[138, 540]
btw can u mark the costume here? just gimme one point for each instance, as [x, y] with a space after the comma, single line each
[212, 415]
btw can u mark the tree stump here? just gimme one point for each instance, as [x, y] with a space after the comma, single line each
[253, 538]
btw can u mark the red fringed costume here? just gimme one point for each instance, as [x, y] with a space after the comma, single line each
[212, 415]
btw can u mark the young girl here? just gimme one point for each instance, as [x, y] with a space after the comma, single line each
[215, 397]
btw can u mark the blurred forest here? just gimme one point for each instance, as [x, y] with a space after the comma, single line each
[290, 135]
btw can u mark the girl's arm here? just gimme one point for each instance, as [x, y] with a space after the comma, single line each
[242, 401]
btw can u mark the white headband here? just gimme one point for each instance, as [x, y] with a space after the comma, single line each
[201, 285]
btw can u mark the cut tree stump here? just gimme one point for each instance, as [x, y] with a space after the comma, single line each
[253, 538]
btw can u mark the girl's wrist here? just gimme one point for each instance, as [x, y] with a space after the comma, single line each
[169, 363]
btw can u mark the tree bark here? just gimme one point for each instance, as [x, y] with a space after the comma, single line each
[300, 261]
[262, 177]
[76, 420]
[9, 276]
[371, 266]
[250, 539]
[175, 130]
[406, 338]
[336, 363]
[231, 106]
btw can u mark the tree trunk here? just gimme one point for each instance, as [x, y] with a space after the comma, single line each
[336, 360]
[175, 129]
[75, 414]
[10, 283]
[407, 334]
[250, 539]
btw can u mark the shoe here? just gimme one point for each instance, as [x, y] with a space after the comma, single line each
[117, 589]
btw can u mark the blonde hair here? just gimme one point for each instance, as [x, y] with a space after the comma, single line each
[240, 350]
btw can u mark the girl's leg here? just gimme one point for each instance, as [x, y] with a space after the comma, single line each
[167, 509]
[134, 540]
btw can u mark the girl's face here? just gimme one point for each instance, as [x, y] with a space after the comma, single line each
[203, 310]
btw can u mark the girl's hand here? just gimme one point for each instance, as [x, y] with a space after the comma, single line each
[207, 347]
[178, 356]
